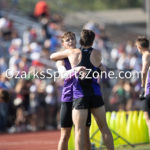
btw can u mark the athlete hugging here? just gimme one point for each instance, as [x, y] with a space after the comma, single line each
[81, 96]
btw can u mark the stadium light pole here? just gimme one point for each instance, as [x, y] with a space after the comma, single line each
[148, 18]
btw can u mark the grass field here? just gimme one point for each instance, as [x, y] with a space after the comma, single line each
[137, 147]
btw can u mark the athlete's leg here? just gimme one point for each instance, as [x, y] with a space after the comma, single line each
[87, 139]
[79, 120]
[66, 125]
[99, 115]
[146, 108]
[64, 138]
[87, 129]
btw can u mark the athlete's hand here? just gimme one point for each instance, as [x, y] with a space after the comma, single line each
[79, 69]
[142, 93]
[102, 67]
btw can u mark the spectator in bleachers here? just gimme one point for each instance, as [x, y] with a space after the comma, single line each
[4, 98]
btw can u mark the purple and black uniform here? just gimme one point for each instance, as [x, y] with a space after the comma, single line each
[148, 84]
[86, 92]
[67, 100]
[67, 93]
[146, 103]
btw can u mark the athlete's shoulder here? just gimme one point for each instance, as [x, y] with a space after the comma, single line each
[146, 55]
[76, 50]
[67, 50]
[146, 58]
[96, 51]
[59, 55]
[70, 50]
[96, 57]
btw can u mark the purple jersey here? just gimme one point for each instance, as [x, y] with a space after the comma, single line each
[86, 87]
[148, 84]
[67, 92]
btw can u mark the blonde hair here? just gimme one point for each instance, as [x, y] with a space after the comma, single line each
[68, 35]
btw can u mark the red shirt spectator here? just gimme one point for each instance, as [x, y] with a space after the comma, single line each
[41, 9]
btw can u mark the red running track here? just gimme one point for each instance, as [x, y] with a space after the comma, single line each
[46, 140]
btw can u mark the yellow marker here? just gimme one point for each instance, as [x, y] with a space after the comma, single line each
[71, 145]
[129, 128]
[123, 125]
[145, 130]
[135, 130]
[139, 126]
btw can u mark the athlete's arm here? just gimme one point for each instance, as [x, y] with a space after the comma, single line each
[62, 70]
[68, 73]
[60, 55]
[96, 58]
[145, 66]
[59, 64]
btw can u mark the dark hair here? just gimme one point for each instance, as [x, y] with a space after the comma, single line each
[68, 35]
[143, 41]
[87, 37]
[4, 95]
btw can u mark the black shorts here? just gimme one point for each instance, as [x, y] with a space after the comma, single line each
[66, 115]
[146, 104]
[88, 102]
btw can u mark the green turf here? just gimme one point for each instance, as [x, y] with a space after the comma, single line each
[137, 147]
